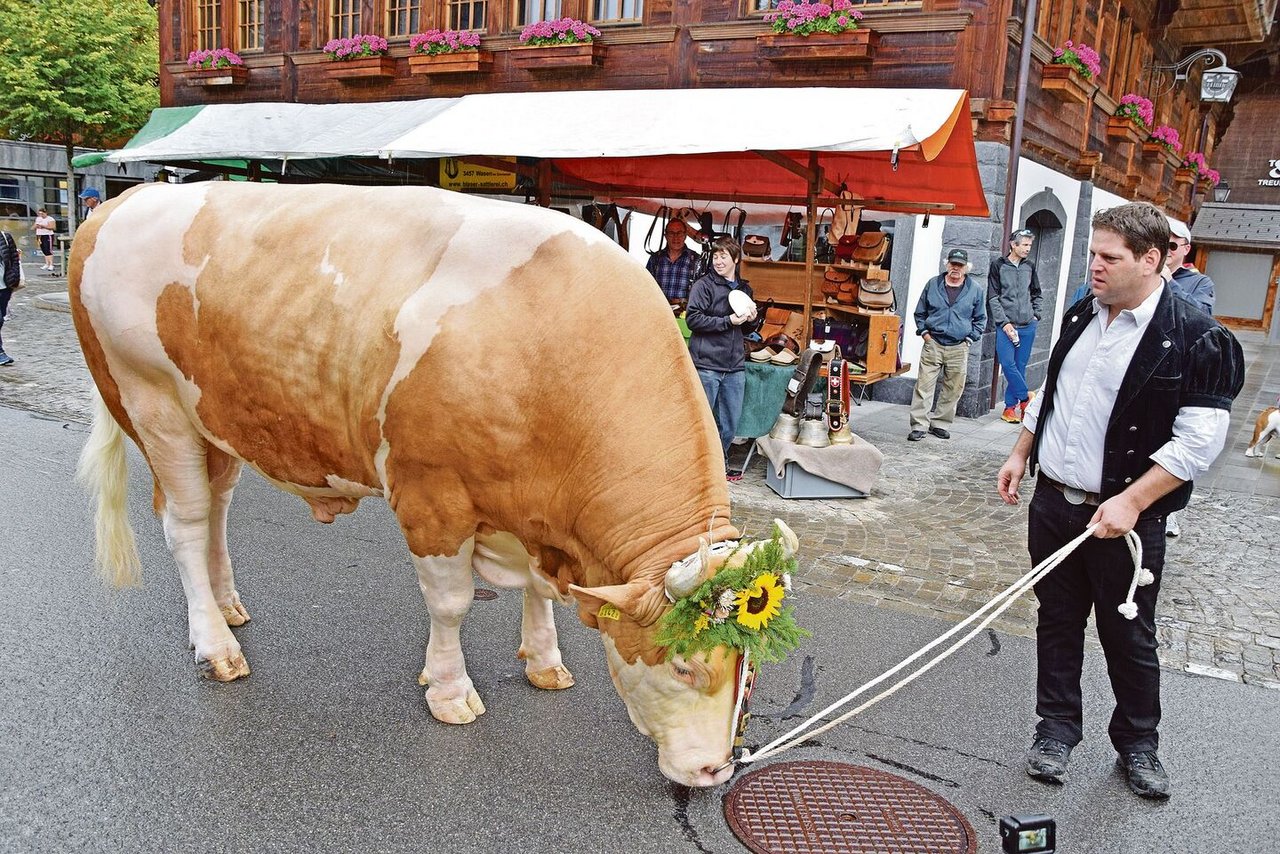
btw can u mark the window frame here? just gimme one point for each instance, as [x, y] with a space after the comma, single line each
[518, 20]
[410, 7]
[592, 19]
[238, 26]
[486, 11]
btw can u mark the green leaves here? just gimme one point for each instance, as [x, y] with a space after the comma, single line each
[77, 71]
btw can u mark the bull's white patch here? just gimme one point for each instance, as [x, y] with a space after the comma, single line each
[327, 269]
[349, 487]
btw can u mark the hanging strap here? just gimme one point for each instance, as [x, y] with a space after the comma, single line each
[663, 214]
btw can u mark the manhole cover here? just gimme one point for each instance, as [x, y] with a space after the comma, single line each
[816, 806]
[483, 595]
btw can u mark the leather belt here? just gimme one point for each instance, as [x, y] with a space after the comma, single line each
[1072, 494]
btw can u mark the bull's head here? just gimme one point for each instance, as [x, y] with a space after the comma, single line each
[675, 666]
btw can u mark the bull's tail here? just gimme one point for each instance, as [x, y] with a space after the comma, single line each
[104, 472]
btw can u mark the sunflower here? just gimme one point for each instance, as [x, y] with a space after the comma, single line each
[760, 602]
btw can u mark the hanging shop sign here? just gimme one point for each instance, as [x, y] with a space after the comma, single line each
[458, 174]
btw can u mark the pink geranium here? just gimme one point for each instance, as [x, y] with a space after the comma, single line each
[1137, 109]
[563, 31]
[355, 47]
[1195, 160]
[1168, 137]
[1081, 57]
[805, 18]
[219, 57]
[433, 42]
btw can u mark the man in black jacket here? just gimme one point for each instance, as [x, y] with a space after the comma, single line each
[10, 281]
[1136, 406]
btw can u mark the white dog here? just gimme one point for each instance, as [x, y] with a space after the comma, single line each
[1268, 427]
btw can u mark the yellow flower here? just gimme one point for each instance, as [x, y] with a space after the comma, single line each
[701, 623]
[761, 602]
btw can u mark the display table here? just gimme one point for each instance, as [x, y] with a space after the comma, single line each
[856, 466]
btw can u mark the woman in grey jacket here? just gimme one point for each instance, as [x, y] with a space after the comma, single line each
[1013, 302]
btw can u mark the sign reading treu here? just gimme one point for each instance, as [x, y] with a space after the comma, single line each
[340, 373]
[1273, 177]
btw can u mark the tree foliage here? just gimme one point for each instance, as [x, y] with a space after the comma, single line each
[80, 72]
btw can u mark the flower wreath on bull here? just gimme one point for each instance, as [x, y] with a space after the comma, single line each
[739, 607]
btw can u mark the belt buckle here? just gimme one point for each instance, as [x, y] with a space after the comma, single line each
[1073, 495]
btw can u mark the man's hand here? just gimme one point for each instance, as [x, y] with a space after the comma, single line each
[745, 317]
[1011, 331]
[1115, 517]
[1010, 477]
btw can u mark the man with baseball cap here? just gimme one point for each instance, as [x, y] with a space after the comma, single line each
[1188, 282]
[91, 198]
[951, 314]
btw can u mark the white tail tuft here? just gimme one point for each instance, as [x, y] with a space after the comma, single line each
[104, 472]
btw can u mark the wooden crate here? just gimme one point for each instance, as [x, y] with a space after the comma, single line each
[781, 281]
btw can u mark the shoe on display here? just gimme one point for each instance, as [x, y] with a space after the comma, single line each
[1144, 774]
[1012, 415]
[1047, 759]
[915, 435]
[940, 433]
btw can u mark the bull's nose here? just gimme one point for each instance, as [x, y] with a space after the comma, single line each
[712, 775]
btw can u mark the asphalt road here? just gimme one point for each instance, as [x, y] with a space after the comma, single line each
[112, 743]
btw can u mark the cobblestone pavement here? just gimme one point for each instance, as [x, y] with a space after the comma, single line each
[933, 538]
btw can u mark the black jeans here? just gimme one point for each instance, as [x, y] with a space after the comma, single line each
[5, 294]
[1095, 576]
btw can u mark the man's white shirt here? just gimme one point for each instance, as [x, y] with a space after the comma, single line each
[1071, 449]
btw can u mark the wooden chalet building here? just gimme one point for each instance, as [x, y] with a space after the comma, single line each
[1074, 161]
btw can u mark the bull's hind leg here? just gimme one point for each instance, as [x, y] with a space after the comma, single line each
[224, 474]
[539, 644]
[448, 589]
[179, 460]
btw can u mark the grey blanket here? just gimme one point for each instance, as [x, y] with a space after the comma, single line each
[856, 465]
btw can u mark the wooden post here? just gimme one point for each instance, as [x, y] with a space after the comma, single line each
[544, 183]
[810, 230]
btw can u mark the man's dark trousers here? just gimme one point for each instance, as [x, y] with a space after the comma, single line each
[1096, 575]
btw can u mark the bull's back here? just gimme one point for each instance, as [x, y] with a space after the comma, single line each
[352, 337]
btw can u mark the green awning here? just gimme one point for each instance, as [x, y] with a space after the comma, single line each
[163, 122]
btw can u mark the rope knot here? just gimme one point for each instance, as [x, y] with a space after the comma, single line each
[1128, 610]
[1145, 577]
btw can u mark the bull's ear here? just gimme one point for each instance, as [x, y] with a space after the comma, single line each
[641, 602]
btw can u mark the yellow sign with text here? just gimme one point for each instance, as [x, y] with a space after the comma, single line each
[458, 174]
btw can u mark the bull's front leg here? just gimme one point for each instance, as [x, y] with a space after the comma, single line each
[448, 589]
[539, 645]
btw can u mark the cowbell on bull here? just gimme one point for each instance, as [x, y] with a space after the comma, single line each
[505, 376]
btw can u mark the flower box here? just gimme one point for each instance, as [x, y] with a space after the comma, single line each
[1066, 84]
[456, 62]
[1153, 150]
[1185, 175]
[363, 68]
[234, 75]
[853, 46]
[1123, 129]
[559, 57]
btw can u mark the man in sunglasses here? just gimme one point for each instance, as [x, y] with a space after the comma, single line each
[1188, 282]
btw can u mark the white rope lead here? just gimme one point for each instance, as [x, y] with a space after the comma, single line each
[1000, 603]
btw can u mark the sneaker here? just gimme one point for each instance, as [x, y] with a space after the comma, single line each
[939, 432]
[915, 435]
[733, 475]
[5, 359]
[1171, 528]
[1022, 407]
[1144, 774]
[1012, 415]
[1047, 759]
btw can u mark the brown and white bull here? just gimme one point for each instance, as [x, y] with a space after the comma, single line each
[507, 378]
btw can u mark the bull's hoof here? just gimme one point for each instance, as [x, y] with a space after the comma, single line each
[456, 710]
[225, 668]
[551, 679]
[235, 614]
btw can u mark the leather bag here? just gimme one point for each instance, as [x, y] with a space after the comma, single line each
[845, 247]
[756, 246]
[833, 279]
[844, 218]
[795, 249]
[871, 247]
[876, 295]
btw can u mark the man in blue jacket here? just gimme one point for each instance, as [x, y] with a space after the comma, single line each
[951, 314]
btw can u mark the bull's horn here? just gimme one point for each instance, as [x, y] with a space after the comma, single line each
[684, 576]
[790, 542]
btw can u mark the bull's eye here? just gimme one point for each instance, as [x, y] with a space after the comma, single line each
[682, 673]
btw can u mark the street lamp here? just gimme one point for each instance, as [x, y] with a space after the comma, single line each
[1221, 191]
[1217, 84]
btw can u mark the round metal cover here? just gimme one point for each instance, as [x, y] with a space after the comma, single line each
[483, 594]
[815, 806]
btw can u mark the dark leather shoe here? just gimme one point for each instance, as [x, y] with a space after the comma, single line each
[1047, 759]
[915, 435]
[940, 433]
[1144, 774]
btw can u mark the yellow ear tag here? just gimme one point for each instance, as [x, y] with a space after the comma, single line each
[609, 612]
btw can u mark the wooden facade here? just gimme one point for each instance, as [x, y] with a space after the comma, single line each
[969, 44]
